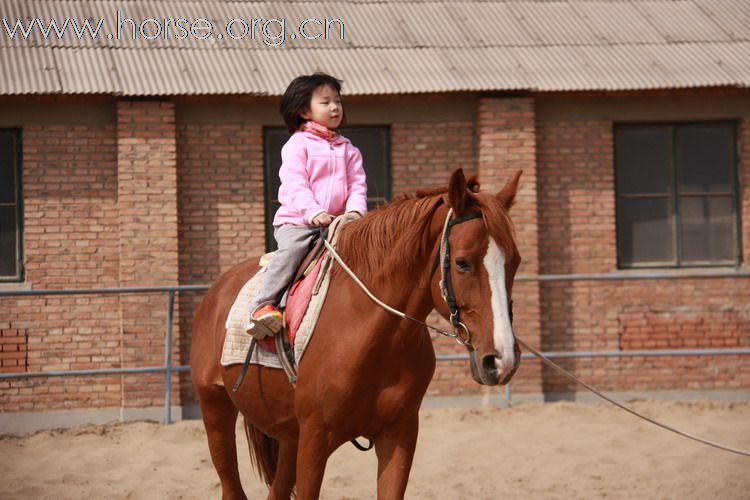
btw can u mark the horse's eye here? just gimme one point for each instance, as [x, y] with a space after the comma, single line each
[463, 265]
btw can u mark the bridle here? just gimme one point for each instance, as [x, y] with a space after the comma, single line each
[443, 260]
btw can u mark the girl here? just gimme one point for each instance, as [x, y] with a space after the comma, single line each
[321, 177]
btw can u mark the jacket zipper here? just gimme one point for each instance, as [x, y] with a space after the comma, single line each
[331, 169]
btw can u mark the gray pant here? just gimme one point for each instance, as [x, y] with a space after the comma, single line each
[294, 244]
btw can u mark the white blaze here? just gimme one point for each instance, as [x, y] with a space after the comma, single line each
[494, 263]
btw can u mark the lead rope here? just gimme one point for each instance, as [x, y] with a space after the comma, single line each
[562, 370]
[539, 355]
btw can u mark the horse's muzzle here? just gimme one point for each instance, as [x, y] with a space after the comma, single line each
[493, 369]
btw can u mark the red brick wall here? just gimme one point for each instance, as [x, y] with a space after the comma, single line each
[576, 197]
[13, 350]
[424, 154]
[147, 200]
[90, 224]
[578, 235]
[221, 207]
[71, 240]
[70, 205]
[674, 314]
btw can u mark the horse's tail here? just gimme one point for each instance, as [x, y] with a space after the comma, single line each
[264, 452]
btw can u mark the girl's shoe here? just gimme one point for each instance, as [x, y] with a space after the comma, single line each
[266, 321]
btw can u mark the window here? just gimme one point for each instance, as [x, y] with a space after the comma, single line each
[676, 195]
[10, 206]
[373, 142]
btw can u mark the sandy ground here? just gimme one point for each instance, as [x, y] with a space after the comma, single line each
[554, 450]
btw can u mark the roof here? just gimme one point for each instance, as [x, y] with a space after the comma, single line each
[388, 47]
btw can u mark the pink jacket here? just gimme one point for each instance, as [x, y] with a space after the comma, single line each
[318, 176]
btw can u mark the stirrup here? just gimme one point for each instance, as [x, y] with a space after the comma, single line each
[260, 330]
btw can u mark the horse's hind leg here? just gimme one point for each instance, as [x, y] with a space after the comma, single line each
[285, 476]
[395, 450]
[219, 418]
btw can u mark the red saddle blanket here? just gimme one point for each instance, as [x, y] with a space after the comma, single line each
[296, 306]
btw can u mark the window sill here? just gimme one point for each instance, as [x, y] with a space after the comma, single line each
[646, 274]
[13, 286]
[685, 272]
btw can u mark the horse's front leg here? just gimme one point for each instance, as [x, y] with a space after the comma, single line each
[395, 447]
[312, 457]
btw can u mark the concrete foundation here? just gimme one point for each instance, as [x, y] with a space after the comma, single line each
[25, 423]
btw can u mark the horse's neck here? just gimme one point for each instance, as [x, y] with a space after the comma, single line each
[403, 280]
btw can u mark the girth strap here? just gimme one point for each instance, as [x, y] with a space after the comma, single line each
[360, 447]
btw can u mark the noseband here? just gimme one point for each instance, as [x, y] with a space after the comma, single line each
[443, 259]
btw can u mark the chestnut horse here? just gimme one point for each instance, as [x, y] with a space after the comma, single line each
[366, 370]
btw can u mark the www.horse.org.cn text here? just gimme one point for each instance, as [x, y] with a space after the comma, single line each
[271, 32]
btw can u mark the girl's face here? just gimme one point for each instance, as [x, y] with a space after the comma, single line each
[325, 107]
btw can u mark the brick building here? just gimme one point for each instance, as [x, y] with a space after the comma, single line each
[146, 163]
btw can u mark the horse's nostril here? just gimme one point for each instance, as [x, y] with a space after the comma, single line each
[490, 368]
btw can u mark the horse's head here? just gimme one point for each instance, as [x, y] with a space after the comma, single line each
[479, 262]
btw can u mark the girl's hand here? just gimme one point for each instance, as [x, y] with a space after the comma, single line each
[352, 215]
[323, 219]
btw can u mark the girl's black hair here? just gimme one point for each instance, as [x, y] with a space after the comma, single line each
[297, 97]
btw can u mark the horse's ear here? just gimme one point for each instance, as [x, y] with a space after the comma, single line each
[473, 183]
[508, 193]
[458, 192]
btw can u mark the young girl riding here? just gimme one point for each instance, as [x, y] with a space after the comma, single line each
[321, 177]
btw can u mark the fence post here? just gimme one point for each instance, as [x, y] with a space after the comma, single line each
[168, 360]
[508, 394]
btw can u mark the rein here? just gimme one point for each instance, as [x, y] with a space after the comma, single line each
[449, 297]
[446, 286]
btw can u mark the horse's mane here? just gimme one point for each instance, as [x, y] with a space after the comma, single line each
[396, 235]
[390, 237]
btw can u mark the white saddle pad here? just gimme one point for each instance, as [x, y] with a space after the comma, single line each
[237, 341]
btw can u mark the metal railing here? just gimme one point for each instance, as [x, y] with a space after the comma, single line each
[627, 275]
[168, 369]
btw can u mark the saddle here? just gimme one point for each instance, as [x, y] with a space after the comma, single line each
[296, 298]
